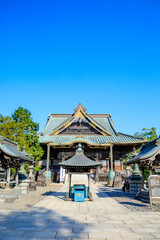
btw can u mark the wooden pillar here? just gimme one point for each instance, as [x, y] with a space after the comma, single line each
[89, 182]
[16, 176]
[69, 183]
[111, 156]
[8, 176]
[48, 157]
[107, 165]
[96, 171]
[121, 159]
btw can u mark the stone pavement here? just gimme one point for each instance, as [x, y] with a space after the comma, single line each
[54, 218]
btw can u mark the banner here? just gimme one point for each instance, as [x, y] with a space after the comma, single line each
[62, 174]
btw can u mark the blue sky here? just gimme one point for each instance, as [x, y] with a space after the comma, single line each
[104, 54]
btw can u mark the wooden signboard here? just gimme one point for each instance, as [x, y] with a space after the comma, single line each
[154, 189]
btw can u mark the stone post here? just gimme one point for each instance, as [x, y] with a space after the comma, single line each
[90, 190]
[32, 184]
[17, 176]
[69, 184]
[128, 171]
[8, 176]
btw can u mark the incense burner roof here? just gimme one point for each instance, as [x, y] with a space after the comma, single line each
[79, 160]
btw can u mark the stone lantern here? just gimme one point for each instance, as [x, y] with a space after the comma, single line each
[135, 180]
[32, 184]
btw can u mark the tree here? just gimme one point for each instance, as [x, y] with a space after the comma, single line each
[12, 130]
[148, 134]
[24, 116]
[22, 129]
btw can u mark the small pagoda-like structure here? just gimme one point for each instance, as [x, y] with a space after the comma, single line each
[148, 158]
[80, 164]
[10, 157]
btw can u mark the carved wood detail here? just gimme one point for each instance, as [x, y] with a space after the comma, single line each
[80, 126]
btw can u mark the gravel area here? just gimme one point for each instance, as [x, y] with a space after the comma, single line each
[127, 200]
[31, 198]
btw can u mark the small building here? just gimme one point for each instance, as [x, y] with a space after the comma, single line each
[149, 157]
[98, 135]
[79, 164]
[10, 157]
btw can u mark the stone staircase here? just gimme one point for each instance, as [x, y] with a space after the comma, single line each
[143, 195]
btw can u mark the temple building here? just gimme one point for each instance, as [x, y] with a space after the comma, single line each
[98, 135]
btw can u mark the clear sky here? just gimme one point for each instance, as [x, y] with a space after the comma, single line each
[104, 54]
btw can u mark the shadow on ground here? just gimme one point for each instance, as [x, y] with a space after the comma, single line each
[124, 198]
[60, 195]
[41, 223]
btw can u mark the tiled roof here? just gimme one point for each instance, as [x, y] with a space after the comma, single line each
[105, 121]
[147, 151]
[98, 139]
[11, 149]
[79, 160]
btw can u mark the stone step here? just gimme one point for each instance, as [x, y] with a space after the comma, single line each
[143, 195]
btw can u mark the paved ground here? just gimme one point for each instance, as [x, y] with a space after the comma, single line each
[30, 199]
[54, 218]
[128, 200]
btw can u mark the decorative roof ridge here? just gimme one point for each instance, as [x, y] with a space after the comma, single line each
[105, 115]
[59, 115]
[46, 124]
[112, 125]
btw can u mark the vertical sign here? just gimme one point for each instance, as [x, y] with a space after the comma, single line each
[62, 174]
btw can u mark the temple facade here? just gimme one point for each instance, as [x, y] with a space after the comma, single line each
[98, 135]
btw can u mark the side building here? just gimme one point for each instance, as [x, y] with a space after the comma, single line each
[97, 133]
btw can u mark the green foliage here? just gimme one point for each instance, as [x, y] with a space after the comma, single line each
[24, 116]
[146, 174]
[37, 168]
[26, 167]
[13, 172]
[22, 129]
[12, 130]
[148, 134]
